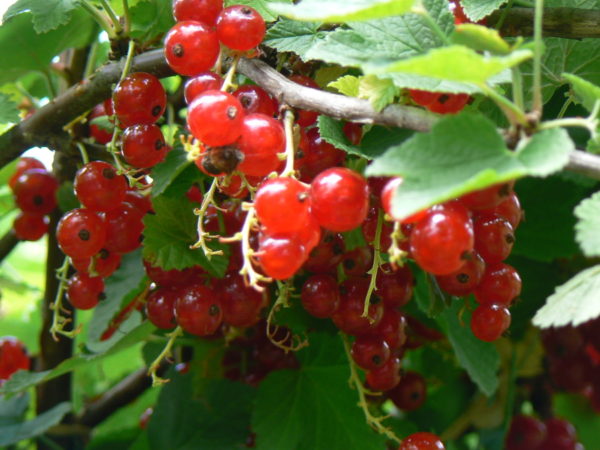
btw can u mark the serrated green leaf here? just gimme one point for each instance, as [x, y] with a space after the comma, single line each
[573, 303]
[380, 92]
[9, 112]
[264, 7]
[293, 36]
[461, 154]
[546, 152]
[379, 139]
[165, 173]
[169, 234]
[588, 225]
[320, 410]
[46, 14]
[480, 38]
[347, 85]
[478, 9]
[11, 434]
[453, 63]
[587, 93]
[343, 10]
[331, 131]
[480, 359]
[151, 18]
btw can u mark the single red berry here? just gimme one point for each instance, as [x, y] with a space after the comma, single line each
[340, 199]
[173, 277]
[385, 377]
[500, 284]
[143, 146]
[320, 295]
[410, 393]
[215, 118]
[525, 433]
[421, 97]
[494, 237]
[490, 321]
[205, 11]
[255, 99]
[139, 99]
[160, 307]
[561, 435]
[280, 256]
[124, 228]
[440, 242]
[240, 27]
[328, 253]
[261, 139]
[395, 287]
[369, 230]
[446, 103]
[353, 132]
[139, 201]
[204, 81]
[509, 209]
[198, 310]
[35, 191]
[191, 47]
[392, 328]
[81, 233]
[30, 226]
[358, 261]
[99, 187]
[305, 118]
[489, 197]
[84, 292]
[104, 264]
[464, 280]
[349, 315]
[422, 441]
[282, 205]
[101, 135]
[13, 357]
[23, 164]
[316, 155]
[370, 352]
[241, 304]
[387, 195]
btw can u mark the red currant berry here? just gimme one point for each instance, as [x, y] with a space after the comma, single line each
[440, 242]
[340, 199]
[395, 287]
[370, 352]
[349, 315]
[160, 307]
[139, 99]
[104, 264]
[422, 441]
[358, 261]
[489, 197]
[215, 118]
[282, 205]
[23, 164]
[13, 357]
[241, 304]
[173, 277]
[561, 435]
[392, 328]
[198, 310]
[325, 257]
[84, 292]
[494, 238]
[562, 342]
[124, 228]
[30, 226]
[320, 296]
[204, 81]
[500, 284]
[317, 155]
[509, 209]
[255, 99]
[262, 138]
[525, 433]
[410, 393]
[191, 48]
[101, 135]
[205, 11]
[280, 256]
[353, 132]
[305, 118]
[309, 236]
[81, 233]
[99, 187]
[464, 280]
[35, 191]
[387, 195]
[139, 201]
[143, 146]
[369, 230]
[490, 321]
[240, 27]
[385, 377]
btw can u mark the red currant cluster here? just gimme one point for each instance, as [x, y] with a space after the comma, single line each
[13, 357]
[529, 433]
[34, 190]
[464, 243]
[578, 349]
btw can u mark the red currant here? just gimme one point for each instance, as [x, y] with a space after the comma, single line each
[104, 264]
[509, 209]
[30, 226]
[500, 284]
[173, 277]
[392, 328]
[385, 377]
[198, 310]
[280, 256]
[387, 195]
[464, 280]
[215, 118]
[99, 187]
[410, 393]
[205, 11]
[191, 47]
[327, 254]
[160, 307]
[494, 237]
[204, 81]
[12, 357]
[81, 233]
[422, 441]
[35, 191]
[349, 315]
[395, 287]
[282, 205]
[23, 164]
[139, 99]
[241, 304]
[353, 132]
[370, 352]
[255, 99]
[320, 295]
[124, 228]
[262, 138]
[490, 321]
[489, 197]
[240, 27]
[525, 433]
[317, 155]
[84, 292]
[143, 146]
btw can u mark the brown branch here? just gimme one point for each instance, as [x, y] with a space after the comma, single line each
[8, 242]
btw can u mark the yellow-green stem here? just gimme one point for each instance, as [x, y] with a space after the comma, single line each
[375, 267]
[207, 200]
[537, 56]
[288, 125]
[166, 352]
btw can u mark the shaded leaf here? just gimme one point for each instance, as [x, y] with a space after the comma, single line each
[8, 110]
[588, 225]
[46, 14]
[587, 93]
[11, 434]
[293, 36]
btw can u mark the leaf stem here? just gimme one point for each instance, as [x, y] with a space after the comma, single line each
[126, 18]
[113, 16]
[166, 352]
[288, 125]
[228, 81]
[375, 267]
[563, 109]
[517, 88]
[587, 123]
[100, 18]
[504, 14]
[84, 155]
[128, 59]
[514, 114]
[537, 56]
[91, 59]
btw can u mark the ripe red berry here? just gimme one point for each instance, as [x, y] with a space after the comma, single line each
[509, 209]
[494, 238]
[198, 310]
[395, 287]
[240, 27]
[561, 435]
[440, 242]
[489, 197]
[464, 280]
[387, 195]
[316, 155]
[160, 307]
[261, 139]
[104, 264]
[255, 99]
[205, 11]
[143, 146]
[525, 433]
[353, 132]
[282, 205]
[440, 102]
[84, 292]
[173, 277]
[490, 321]
[410, 393]
[369, 230]
[241, 304]
[320, 295]
[340, 199]
[35, 191]
[422, 441]
[139, 99]
[500, 284]
[204, 81]
[81, 233]
[30, 226]
[23, 164]
[215, 118]
[385, 377]
[124, 228]
[191, 47]
[348, 316]
[101, 135]
[99, 187]
[358, 261]
[13, 357]
[139, 201]
[327, 254]
[370, 352]
[392, 328]
[280, 256]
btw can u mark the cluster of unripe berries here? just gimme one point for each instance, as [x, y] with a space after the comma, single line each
[34, 190]
[13, 357]
[529, 433]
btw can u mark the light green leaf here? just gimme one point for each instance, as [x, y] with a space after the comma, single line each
[8, 110]
[263, 7]
[478, 9]
[46, 14]
[151, 18]
[12, 434]
[587, 93]
[588, 226]
[347, 85]
[453, 63]
[546, 152]
[343, 10]
[480, 38]
[573, 303]
[293, 36]
[380, 92]
[331, 131]
[461, 154]
[66, 198]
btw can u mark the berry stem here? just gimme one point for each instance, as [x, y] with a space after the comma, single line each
[126, 18]
[203, 235]
[228, 81]
[288, 125]
[283, 301]
[58, 321]
[166, 352]
[251, 276]
[396, 253]
[84, 156]
[376, 262]
[537, 57]
[355, 382]
[128, 59]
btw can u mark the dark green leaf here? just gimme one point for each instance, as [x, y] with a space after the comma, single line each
[66, 198]
[8, 110]
[12, 410]
[151, 18]
[164, 173]
[11, 434]
[379, 139]
[343, 10]
[46, 14]
[331, 132]
[588, 225]
[292, 36]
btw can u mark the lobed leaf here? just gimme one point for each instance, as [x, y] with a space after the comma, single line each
[46, 14]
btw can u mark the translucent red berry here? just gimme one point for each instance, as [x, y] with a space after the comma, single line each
[204, 81]
[103, 264]
[261, 139]
[241, 304]
[392, 328]
[139, 99]
[327, 254]
[35, 191]
[395, 286]
[489, 197]
[410, 393]
[422, 441]
[370, 352]
[23, 164]
[143, 146]
[320, 295]
[500, 284]
[240, 27]
[525, 433]
[84, 292]
[215, 118]
[316, 155]
[30, 226]
[124, 228]
[282, 205]
[509, 209]
[385, 377]
[198, 310]
[99, 187]
[13, 357]
[191, 47]
[81, 233]
[494, 237]
[280, 256]
[464, 280]
[173, 277]
[160, 307]
[440, 102]
[387, 195]
[489, 322]
[205, 11]
[349, 315]
[255, 99]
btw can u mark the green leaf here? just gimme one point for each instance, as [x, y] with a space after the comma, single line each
[103, 122]
[380, 92]
[480, 359]
[453, 63]
[379, 139]
[461, 154]
[46, 14]
[12, 410]
[347, 85]
[588, 225]
[478, 9]
[331, 131]
[343, 10]
[170, 232]
[587, 93]
[11, 434]
[9, 112]
[264, 7]
[573, 303]
[151, 18]
[428, 296]
[165, 173]
[319, 411]
[293, 36]
[480, 38]
[66, 198]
